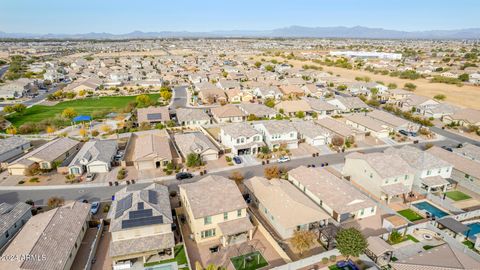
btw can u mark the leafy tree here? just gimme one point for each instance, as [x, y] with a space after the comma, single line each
[351, 242]
[464, 77]
[54, 202]
[19, 108]
[337, 141]
[8, 109]
[143, 100]
[440, 97]
[270, 68]
[392, 86]
[50, 129]
[83, 132]
[166, 95]
[12, 130]
[69, 113]
[271, 172]
[106, 128]
[270, 103]
[258, 64]
[395, 237]
[300, 114]
[410, 86]
[252, 117]
[302, 241]
[193, 160]
[237, 177]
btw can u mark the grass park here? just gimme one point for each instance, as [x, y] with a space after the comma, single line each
[84, 106]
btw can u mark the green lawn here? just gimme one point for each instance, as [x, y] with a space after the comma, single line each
[410, 215]
[85, 106]
[457, 195]
[255, 263]
[180, 257]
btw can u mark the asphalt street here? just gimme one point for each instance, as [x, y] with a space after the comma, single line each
[105, 193]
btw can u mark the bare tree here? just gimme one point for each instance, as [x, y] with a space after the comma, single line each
[302, 241]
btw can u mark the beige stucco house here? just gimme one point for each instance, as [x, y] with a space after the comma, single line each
[216, 211]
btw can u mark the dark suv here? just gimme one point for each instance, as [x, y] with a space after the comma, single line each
[183, 175]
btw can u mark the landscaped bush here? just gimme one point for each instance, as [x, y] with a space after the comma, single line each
[121, 174]
[324, 260]
[333, 258]
[21, 182]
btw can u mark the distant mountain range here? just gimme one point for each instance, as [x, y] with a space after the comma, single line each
[287, 32]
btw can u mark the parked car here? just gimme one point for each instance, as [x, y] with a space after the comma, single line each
[283, 159]
[90, 177]
[448, 148]
[183, 175]
[94, 208]
[237, 159]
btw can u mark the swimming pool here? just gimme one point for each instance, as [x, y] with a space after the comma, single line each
[474, 229]
[434, 211]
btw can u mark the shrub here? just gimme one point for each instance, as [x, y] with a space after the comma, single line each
[21, 182]
[333, 258]
[324, 260]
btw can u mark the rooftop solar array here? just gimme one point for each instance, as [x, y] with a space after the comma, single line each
[131, 223]
[154, 116]
[140, 213]
[152, 197]
[123, 205]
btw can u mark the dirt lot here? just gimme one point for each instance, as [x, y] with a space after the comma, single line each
[465, 96]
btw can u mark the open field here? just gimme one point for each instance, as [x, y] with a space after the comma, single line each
[85, 106]
[465, 96]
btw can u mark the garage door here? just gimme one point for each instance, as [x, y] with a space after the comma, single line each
[16, 171]
[98, 168]
[210, 156]
[145, 165]
[317, 142]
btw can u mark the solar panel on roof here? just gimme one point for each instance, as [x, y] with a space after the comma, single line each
[131, 223]
[154, 116]
[123, 205]
[152, 197]
[140, 206]
[140, 214]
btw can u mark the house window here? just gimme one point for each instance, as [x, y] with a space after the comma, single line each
[362, 212]
[239, 213]
[225, 216]
[207, 220]
[44, 165]
[208, 233]
[7, 234]
[429, 172]
[406, 177]
[371, 175]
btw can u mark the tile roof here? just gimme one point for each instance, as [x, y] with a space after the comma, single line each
[193, 142]
[52, 235]
[11, 143]
[213, 195]
[335, 192]
[10, 214]
[385, 164]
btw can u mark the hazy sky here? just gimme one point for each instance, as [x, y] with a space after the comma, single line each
[122, 16]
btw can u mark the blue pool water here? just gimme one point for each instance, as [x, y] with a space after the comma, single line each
[431, 209]
[474, 229]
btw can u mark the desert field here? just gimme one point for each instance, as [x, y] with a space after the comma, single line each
[467, 96]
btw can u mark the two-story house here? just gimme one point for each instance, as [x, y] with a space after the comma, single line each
[278, 133]
[141, 225]
[431, 172]
[241, 138]
[216, 211]
[384, 175]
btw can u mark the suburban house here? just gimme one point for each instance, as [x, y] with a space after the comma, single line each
[341, 129]
[348, 104]
[241, 138]
[94, 157]
[196, 143]
[46, 157]
[369, 125]
[384, 175]
[228, 114]
[153, 115]
[415, 101]
[12, 219]
[292, 90]
[260, 111]
[463, 117]
[12, 147]
[53, 238]
[469, 151]
[268, 92]
[393, 121]
[216, 211]
[334, 195]
[431, 172]
[150, 150]
[192, 117]
[466, 172]
[278, 133]
[443, 256]
[437, 111]
[320, 106]
[88, 84]
[291, 107]
[141, 225]
[212, 95]
[311, 133]
[284, 207]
